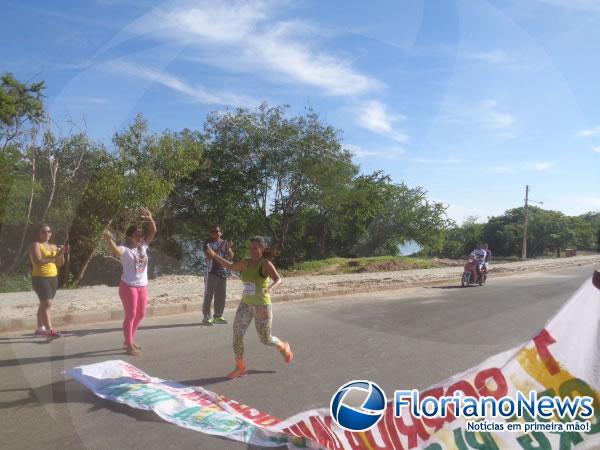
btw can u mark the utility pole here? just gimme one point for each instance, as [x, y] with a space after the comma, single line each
[524, 246]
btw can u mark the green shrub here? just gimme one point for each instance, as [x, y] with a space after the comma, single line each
[15, 283]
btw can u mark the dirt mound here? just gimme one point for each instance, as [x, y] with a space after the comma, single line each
[392, 266]
[388, 266]
[445, 262]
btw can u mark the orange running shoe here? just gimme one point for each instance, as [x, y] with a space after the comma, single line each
[286, 352]
[239, 371]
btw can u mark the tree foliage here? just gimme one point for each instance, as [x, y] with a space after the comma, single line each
[143, 171]
[20, 104]
[548, 232]
[291, 179]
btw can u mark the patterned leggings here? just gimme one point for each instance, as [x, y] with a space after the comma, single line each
[263, 317]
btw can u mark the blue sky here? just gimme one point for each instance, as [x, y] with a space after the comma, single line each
[471, 100]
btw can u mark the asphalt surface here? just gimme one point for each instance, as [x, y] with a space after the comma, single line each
[410, 338]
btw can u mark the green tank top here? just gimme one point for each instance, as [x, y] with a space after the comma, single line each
[255, 285]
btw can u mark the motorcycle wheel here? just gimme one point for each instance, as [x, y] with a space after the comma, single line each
[466, 279]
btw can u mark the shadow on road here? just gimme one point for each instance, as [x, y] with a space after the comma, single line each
[27, 338]
[449, 287]
[70, 391]
[52, 358]
[214, 380]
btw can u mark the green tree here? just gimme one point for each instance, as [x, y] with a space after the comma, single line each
[407, 216]
[460, 241]
[357, 208]
[21, 105]
[586, 229]
[53, 173]
[21, 110]
[144, 170]
[547, 232]
[267, 174]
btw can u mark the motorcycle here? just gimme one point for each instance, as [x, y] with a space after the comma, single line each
[470, 274]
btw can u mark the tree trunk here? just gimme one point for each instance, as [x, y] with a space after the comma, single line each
[53, 176]
[322, 240]
[85, 266]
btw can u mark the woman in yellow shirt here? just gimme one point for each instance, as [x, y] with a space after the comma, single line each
[45, 259]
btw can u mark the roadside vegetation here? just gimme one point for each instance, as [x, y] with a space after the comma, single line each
[253, 172]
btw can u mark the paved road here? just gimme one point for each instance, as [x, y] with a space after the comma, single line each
[409, 338]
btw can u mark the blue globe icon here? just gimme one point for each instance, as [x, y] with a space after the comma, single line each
[358, 405]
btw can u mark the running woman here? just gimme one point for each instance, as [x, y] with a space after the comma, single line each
[45, 260]
[255, 273]
[133, 289]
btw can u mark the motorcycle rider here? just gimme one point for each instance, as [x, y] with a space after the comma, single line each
[479, 255]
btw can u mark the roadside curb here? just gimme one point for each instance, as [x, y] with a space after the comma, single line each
[81, 318]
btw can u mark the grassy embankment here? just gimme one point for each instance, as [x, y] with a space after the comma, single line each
[14, 283]
[333, 266]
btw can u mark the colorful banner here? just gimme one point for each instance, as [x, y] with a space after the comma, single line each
[563, 360]
[190, 407]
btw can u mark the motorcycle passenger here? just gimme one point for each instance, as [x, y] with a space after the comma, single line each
[488, 256]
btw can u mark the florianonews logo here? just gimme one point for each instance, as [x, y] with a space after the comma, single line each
[358, 405]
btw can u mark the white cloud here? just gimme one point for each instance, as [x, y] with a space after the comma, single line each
[542, 166]
[492, 118]
[83, 100]
[360, 152]
[436, 161]
[586, 203]
[595, 131]
[459, 212]
[504, 169]
[387, 153]
[374, 117]
[248, 38]
[485, 114]
[197, 93]
[596, 149]
[575, 205]
[495, 57]
[208, 22]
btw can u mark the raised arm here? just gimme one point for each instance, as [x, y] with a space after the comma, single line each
[147, 216]
[236, 267]
[114, 248]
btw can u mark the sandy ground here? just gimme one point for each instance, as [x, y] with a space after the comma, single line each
[188, 289]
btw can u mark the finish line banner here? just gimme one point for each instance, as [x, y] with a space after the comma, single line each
[562, 361]
[189, 407]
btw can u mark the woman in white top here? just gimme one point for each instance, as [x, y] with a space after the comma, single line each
[134, 280]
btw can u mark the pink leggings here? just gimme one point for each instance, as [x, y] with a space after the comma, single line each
[134, 301]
